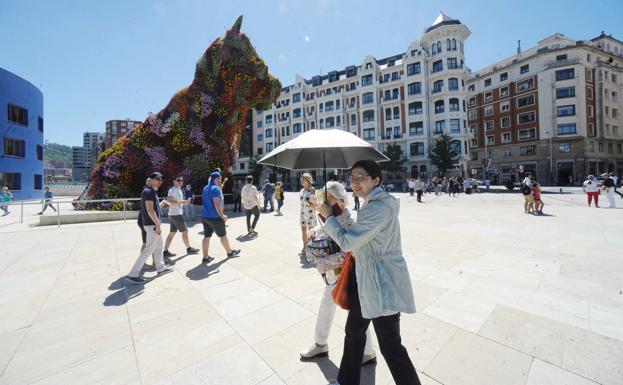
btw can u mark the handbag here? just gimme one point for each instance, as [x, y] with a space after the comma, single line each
[320, 248]
[341, 293]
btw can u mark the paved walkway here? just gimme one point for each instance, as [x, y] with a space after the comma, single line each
[503, 298]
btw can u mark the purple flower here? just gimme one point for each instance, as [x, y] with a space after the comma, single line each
[198, 137]
[206, 105]
[112, 166]
[156, 156]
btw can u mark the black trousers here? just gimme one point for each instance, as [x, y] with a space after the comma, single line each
[387, 330]
[256, 215]
[237, 203]
[419, 195]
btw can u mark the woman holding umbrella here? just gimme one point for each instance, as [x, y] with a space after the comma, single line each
[308, 216]
[379, 285]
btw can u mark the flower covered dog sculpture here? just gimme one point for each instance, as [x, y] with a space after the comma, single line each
[201, 127]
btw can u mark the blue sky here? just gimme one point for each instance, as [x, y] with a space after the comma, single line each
[99, 60]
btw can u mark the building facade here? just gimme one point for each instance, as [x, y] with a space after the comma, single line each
[406, 100]
[115, 129]
[553, 110]
[85, 157]
[21, 132]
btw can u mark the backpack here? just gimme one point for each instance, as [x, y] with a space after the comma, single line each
[525, 189]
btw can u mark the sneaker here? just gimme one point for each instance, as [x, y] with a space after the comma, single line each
[254, 232]
[168, 261]
[168, 254]
[368, 359]
[134, 280]
[207, 259]
[165, 270]
[191, 250]
[233, 253]
[315, 351]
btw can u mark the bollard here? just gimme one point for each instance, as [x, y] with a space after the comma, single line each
[124, 214]
[58, 214]
[561, 190]
[21, 219]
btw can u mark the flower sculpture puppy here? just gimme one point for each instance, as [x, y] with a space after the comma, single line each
[199, 129]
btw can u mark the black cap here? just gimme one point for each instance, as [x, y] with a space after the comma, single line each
[155, 175]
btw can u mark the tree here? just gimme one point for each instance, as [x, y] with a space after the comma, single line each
[394, 164]
[442, 154]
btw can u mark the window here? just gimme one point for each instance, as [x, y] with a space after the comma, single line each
[439, 106]
[525, 84]
[565, 74]
[18, 115]
[454, 44]
[259, 137]
[395, 93]
[505, 122]
[296, 128]
[366, 80]
[328, 106]
[395, 76]
[488, 110]
[438, 47]
[508, 152]
[387, 95]
[414, 68]
[39, 152]
[505, 106]
[473, 128]
[504, 76]
[524, 69]
[473, 115]
[504, 91]
[489, 125]
[527, 134]
[368, 115]
[527, 150]
[388, 114]
[490, 140]
[12, 180]
[506, 137]
[269, 119]
[566, 129]
[368, 133]
[416, 128]
[438, 66]
[600, 146]
[259, 124]
[488, 82]
[260, 150]
[38, 182]
[472, 101]
[564, 147]
[368, 97]
[385, 78]
[321, 123]
[488, 96]
[40, 124]
[452, 64]
[268, 133]
[415, 108]
[615, 113]
[396, 113]
[353, 119]
[448, 45]
[296, 113]
[414, 88]
[14, 147]
[440, 125]
[454, 104]
[526, 118]
[455, 125]
[296, 97]
[416, 149]
[471, 88]
[589, 111]
[438, 86]
[566, 92]
[397, 132]
[434, 48]
[525, 101]
[453, 84]
[269, 147]
[330, 122]
[565, 110]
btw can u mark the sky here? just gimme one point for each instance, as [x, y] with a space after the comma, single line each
[100, 60]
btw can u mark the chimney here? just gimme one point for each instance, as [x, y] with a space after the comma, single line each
[518, 47]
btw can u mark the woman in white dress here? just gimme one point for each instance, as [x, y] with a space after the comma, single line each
[308, 214]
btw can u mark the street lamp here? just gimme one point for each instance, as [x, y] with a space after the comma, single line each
[551, 159]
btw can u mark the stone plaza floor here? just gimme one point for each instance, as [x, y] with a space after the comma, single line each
[502, 298]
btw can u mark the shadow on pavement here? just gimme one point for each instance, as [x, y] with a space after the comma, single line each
[246, 237]
[203, 271]
[121, 297]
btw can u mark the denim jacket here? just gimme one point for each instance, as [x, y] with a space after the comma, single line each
[382, 275]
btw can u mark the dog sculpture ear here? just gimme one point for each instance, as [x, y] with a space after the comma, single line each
[237, 24]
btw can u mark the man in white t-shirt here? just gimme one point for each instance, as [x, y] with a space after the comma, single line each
[411, 184]
[176, 201]
[251, 204]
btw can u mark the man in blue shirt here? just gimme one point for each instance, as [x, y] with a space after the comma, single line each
[269, 192]
[213, 218]
[47, 200]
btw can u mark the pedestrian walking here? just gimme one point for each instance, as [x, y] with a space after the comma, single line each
[5, 197]
[279, 197]
[329, 265]
[213, 218]
[536, 195]
[176, 203]
[237, 197]
[268, 190]
[526, 191]
[608, 187]
[189, 209]
[617, 184]
[411, 183]
[308, 216]
[47, 200]
[380, 285]
[251, 204]
[150, 219]
[592, 191]
[419, 189]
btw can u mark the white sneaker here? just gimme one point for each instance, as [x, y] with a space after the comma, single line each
[368, 359]
[315, 351]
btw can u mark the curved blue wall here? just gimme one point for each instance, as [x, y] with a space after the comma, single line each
[18, 92]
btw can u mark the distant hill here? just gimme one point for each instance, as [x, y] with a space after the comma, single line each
[55, 151]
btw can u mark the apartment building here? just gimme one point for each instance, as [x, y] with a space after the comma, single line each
[115, 129]
[407, 99]
[553, 110]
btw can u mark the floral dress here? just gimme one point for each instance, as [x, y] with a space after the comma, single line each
[308, 216]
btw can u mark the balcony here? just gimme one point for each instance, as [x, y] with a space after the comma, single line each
[561, 63]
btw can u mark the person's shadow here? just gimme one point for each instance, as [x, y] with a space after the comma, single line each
[329, 370]
[122, 294]
[203, 271]
[246, 237]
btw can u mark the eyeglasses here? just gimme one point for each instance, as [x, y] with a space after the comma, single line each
[358, 178]
[179, 180]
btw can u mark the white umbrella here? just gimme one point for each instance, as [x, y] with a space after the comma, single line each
[322, 149]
